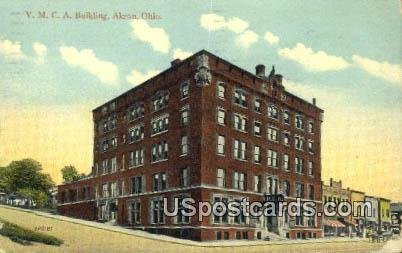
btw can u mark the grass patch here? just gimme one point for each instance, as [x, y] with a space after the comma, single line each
[25, 236]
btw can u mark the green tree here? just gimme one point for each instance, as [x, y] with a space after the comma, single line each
[27, 174]
[70, 174]
[41, 198]
[4, 179]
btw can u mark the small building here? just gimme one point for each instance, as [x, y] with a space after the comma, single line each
[358, 216]
[385, 214]
[336, 225]
[372, 221]
[396, 217]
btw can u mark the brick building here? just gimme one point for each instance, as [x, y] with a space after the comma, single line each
[206, 129]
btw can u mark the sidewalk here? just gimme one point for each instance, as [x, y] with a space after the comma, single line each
[143, 234]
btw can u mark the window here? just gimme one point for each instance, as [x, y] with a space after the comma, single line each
[286, 117]
[105, 145]
[113, 189]
[137, 111]
[272, 185]
[135, 212]
[257, 128]
[220, 178]
[221, 145]
[121, 188]
[286, 188]
[241, 218]
[159, 181]
[273, 112]
[239, 122]
[272, 134]
[160, 100]
[272, 158]
[160, 124]
[310, 127]
[257, 183]
[311, 222]
[184, 145]
[239, 150]
[310, 146]
[105, 166]
[137, 184]
[184, 90]
[240, 98]
[86, 192]
[286, 140]
[180, 218]
[220, 116]
[113, 165]
[185, 115]
[113, 142]
[239, 181]
[310, 191]
[105, 190]
[257, 105]
[221, 218]
[299, 122]
[299, 190]
[299, 143]
[159, 151]
[136, 133]
[221, 90]
[257, 154]
[298, 165]
[157, 211]
[285, 163]
[310, 168]
[136, 158]
[299, 222]
[184, 177]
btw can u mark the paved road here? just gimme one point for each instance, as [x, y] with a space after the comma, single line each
[96, 238]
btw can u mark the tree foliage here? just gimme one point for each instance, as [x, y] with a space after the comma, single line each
[70, 174]
[25, 177]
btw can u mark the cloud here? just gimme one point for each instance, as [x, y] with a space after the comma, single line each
[157, 37]
[40, 51]
[11, 50]
[246, 39]
[214, 22]
[384, 70]
[178, 53]
[271, 38]
[86, 59]
[313, 61]
[136, 77]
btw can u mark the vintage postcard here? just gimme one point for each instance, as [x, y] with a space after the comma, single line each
[200, 126]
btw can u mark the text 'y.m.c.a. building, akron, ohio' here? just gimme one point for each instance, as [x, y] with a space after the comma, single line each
[206, 129]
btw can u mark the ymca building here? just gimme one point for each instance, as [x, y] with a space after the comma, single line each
[206, 129]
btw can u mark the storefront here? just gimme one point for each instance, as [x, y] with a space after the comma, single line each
[334, 228]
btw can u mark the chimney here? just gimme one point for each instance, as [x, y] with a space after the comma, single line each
[330, 181]
[260, 70]
[314, 101]
[175, 62]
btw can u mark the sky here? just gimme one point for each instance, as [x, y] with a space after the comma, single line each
[347, 54]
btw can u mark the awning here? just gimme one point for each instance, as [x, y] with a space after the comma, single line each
[353, 223]
[334, 223]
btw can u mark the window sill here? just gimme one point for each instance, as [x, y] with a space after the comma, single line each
[136, 166]
[241, 160]
[155, 134]
[183, 155]
[131, 142]
[135, 119]
[159, 161]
